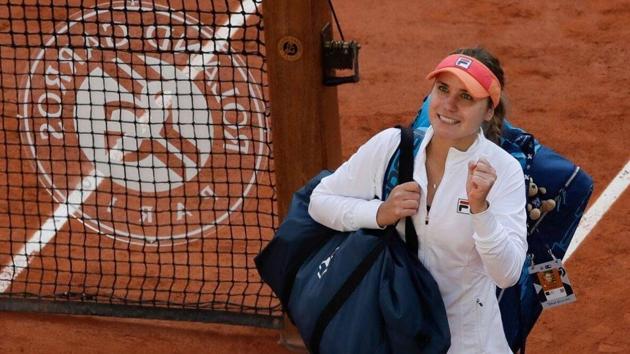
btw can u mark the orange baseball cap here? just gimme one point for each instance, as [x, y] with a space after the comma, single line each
[478, 79]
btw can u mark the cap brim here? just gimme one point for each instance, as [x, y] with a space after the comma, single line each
[472, 85]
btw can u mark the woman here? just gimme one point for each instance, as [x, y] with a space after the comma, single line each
[467, 200]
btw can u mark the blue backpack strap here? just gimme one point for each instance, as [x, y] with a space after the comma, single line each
[422, 118]
[523, 148]
[391, 173]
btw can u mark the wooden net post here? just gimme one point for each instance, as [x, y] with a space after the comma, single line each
[304, 112]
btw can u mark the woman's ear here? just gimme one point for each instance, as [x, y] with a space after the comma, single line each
[489, 114]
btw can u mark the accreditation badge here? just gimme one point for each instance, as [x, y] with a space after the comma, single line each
[551, 283]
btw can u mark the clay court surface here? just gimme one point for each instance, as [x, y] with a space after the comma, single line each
[566, 67]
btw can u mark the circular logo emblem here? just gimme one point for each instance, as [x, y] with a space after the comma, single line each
[141, 122]
[290, 48]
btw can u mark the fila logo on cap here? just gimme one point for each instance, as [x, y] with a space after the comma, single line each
[463, 206]
[463, 62]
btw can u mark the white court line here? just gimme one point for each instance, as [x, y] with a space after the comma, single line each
[49, 229]
[89, 184]
[595, 213]
[221, 38]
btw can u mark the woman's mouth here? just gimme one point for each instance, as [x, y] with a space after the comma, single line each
[447, 120]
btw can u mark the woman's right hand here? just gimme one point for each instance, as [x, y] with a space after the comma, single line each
[403, 201]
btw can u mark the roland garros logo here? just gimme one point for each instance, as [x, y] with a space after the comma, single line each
[142, 124]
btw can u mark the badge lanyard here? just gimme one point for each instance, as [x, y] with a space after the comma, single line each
[551, 282]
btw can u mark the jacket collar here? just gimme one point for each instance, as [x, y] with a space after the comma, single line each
[455, 156]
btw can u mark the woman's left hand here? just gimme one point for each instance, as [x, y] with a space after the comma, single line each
[481, 177]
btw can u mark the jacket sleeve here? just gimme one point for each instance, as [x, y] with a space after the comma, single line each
[348, 199]
[501, 230]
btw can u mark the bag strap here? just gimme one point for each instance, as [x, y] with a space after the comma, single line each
[405, 174]
[341, 296]
[390, 180]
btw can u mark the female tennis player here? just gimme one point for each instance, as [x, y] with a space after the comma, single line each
[467, 200]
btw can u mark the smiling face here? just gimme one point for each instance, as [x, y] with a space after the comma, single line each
[455, 114]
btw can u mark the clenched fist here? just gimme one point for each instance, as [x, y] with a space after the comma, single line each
[481, 178]
[403, 201]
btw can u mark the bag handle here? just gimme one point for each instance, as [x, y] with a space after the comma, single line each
[405, 174]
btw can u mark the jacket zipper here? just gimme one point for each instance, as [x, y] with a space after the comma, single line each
[427, 218]
[426, 205]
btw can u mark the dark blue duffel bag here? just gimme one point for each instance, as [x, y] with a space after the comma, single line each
[354, 292]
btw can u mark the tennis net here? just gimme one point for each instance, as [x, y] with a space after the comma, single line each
[135, 161]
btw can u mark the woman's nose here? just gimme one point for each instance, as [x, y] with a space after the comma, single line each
[451, 102]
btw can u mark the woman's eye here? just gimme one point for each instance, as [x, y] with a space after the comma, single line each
[443, 88]
[467, 96]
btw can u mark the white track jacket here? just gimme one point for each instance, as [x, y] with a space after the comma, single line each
[468, 255]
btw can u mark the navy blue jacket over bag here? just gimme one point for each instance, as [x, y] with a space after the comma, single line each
[355, 292]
